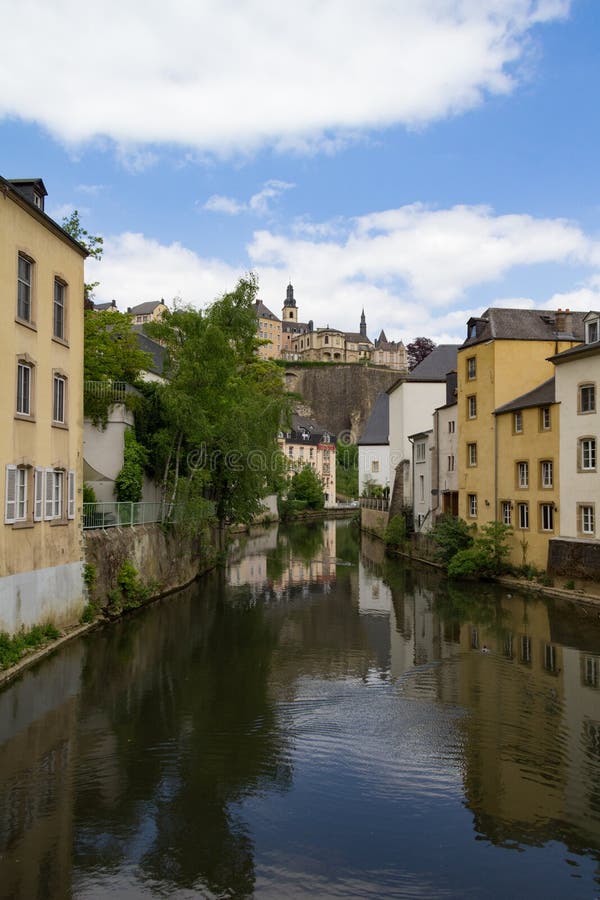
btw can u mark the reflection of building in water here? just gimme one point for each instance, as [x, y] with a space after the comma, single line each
[374, 595]
[247, 559]
[316, 567]
[535, 730]
[38, 719]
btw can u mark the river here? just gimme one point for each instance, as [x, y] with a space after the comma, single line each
[315, 721]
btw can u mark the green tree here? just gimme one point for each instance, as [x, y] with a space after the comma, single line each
[306, 487]
[450, 535]
[129, 481]
[93, 243]
[486, 558]
[418, 349]
[222, 407]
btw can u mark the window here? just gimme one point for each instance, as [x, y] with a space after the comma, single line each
[420, 451]
[523, 510]
[586, 519]
[523, 474]
[590, 668]
[547, 516]
[24, 283]
[451, 463]
[451, 426]
[375, 465]
[507, 512]
[471, 454]
[291, 452]
[421, 488]
[53, 498]
[472, 505]
[58, 399]
[71, 495]
[587, 454]
[591, 331]
[472, 406]
[471, 368]
[518, 422]
[15, 507]
[546, 473]
[550, 657]
[38, 495]
[545, 418]
[587, 398]
[525, 654]
[24, 382]
[60, 290]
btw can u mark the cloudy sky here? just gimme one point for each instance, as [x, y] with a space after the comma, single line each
[424, 159]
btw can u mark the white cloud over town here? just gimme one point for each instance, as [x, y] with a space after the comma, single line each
[415, 270]
[234, 77]
[260, 203]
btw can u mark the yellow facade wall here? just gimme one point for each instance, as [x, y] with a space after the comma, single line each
[532, 446]
[34, 441]
[504, 369]
[269, 330]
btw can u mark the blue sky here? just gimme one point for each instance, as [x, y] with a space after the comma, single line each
[424, 159]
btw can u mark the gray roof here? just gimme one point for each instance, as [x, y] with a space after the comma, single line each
[144, 309]
[301, 425]
[100, 307]
[355, 336]
[437, 364]
[148, 345]
[377, 429]
[523, 325]
[543, 395]
[261, 310]
[294, 327]
[579, 351]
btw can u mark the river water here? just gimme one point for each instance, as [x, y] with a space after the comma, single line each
[315, 722]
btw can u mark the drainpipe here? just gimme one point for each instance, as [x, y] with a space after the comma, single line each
[495, 468]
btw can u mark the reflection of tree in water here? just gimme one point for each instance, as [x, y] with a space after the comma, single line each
[192, 732]
[305, 539]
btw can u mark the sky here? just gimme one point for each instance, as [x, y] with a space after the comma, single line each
[420, 159]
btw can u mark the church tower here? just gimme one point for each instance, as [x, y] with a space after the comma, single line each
[289, 313]
[363, 325]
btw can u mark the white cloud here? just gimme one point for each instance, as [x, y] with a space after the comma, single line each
[413, 269]
[226, 77]
[91, 189]
[260, 203]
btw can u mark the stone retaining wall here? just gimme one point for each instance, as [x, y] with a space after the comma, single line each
[574, 558]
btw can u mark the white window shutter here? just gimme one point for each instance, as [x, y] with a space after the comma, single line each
[49, 494]
[38, 495]
[10, 506]
[71, 496]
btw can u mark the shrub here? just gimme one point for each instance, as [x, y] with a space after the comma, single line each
[486, 557]
[570, 585]
[15, 647]
[395, 533]
[306, 487]
[450, 535]
[129, 481]
[89, 494]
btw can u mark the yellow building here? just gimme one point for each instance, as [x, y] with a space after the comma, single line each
[41, 336]
[151, 311]
[527, 440]
[268, 328]
[505, 355]
[308, 444]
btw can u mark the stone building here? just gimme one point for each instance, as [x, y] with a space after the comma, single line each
[309, 444]
[145, 312]
[268, 328]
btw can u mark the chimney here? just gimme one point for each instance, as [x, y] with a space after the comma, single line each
[564, 321]
[451, 386]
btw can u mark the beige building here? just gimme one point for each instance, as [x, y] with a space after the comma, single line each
[150, 311]
[391, 354]
[41, 335]
[308, 444]
[504, 356]
[268, 328]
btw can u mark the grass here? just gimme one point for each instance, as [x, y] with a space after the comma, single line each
[12, 649]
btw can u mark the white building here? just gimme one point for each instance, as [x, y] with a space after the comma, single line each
[374, 447]
[421, 480]
[444, 463]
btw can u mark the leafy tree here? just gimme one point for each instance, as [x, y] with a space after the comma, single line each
[222, 407]
[306, 487]
[450, 534]
[94, 244]
[395, 533]
[346, 459]
[111, 354]
[129, 481]
[486, 558]
[418, 349]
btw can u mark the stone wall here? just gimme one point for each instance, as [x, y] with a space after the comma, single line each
[574, 558]
[339, 397]
[166, 558]
[374, 521]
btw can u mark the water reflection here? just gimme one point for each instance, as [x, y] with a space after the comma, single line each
[310, 723]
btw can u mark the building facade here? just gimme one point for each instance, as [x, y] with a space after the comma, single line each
[41, 335]
[505, 355]
[150, 311]
[268, 329]
[309, 444]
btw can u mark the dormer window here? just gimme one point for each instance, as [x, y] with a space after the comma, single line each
[591, 331]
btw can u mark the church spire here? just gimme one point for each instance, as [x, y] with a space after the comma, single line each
[289, 296]
[363, 325]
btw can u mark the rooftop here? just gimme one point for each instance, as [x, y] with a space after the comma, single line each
[525, 325]
[377, 430]
[542, 395]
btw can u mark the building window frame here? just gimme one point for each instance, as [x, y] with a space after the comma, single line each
[523, 516]
[592, 334]
[546, 474]
[586, 398]
[545, 419]
[472, 506]
[472, 406]
[451, 426]
[586, 519]
[586, 454]
[506, 508]
[518, 422]
[451, 462]
[472, 454]
[60, 387]
[54, 487]
[547, 517]
[25, 378]
[59, 310]
[16, 496]
[523, 475]
[471, 368]
[420, 454]
[25, 288]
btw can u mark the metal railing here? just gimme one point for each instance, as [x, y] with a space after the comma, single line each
[375, 503]
[111, 390]
[109, 515]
